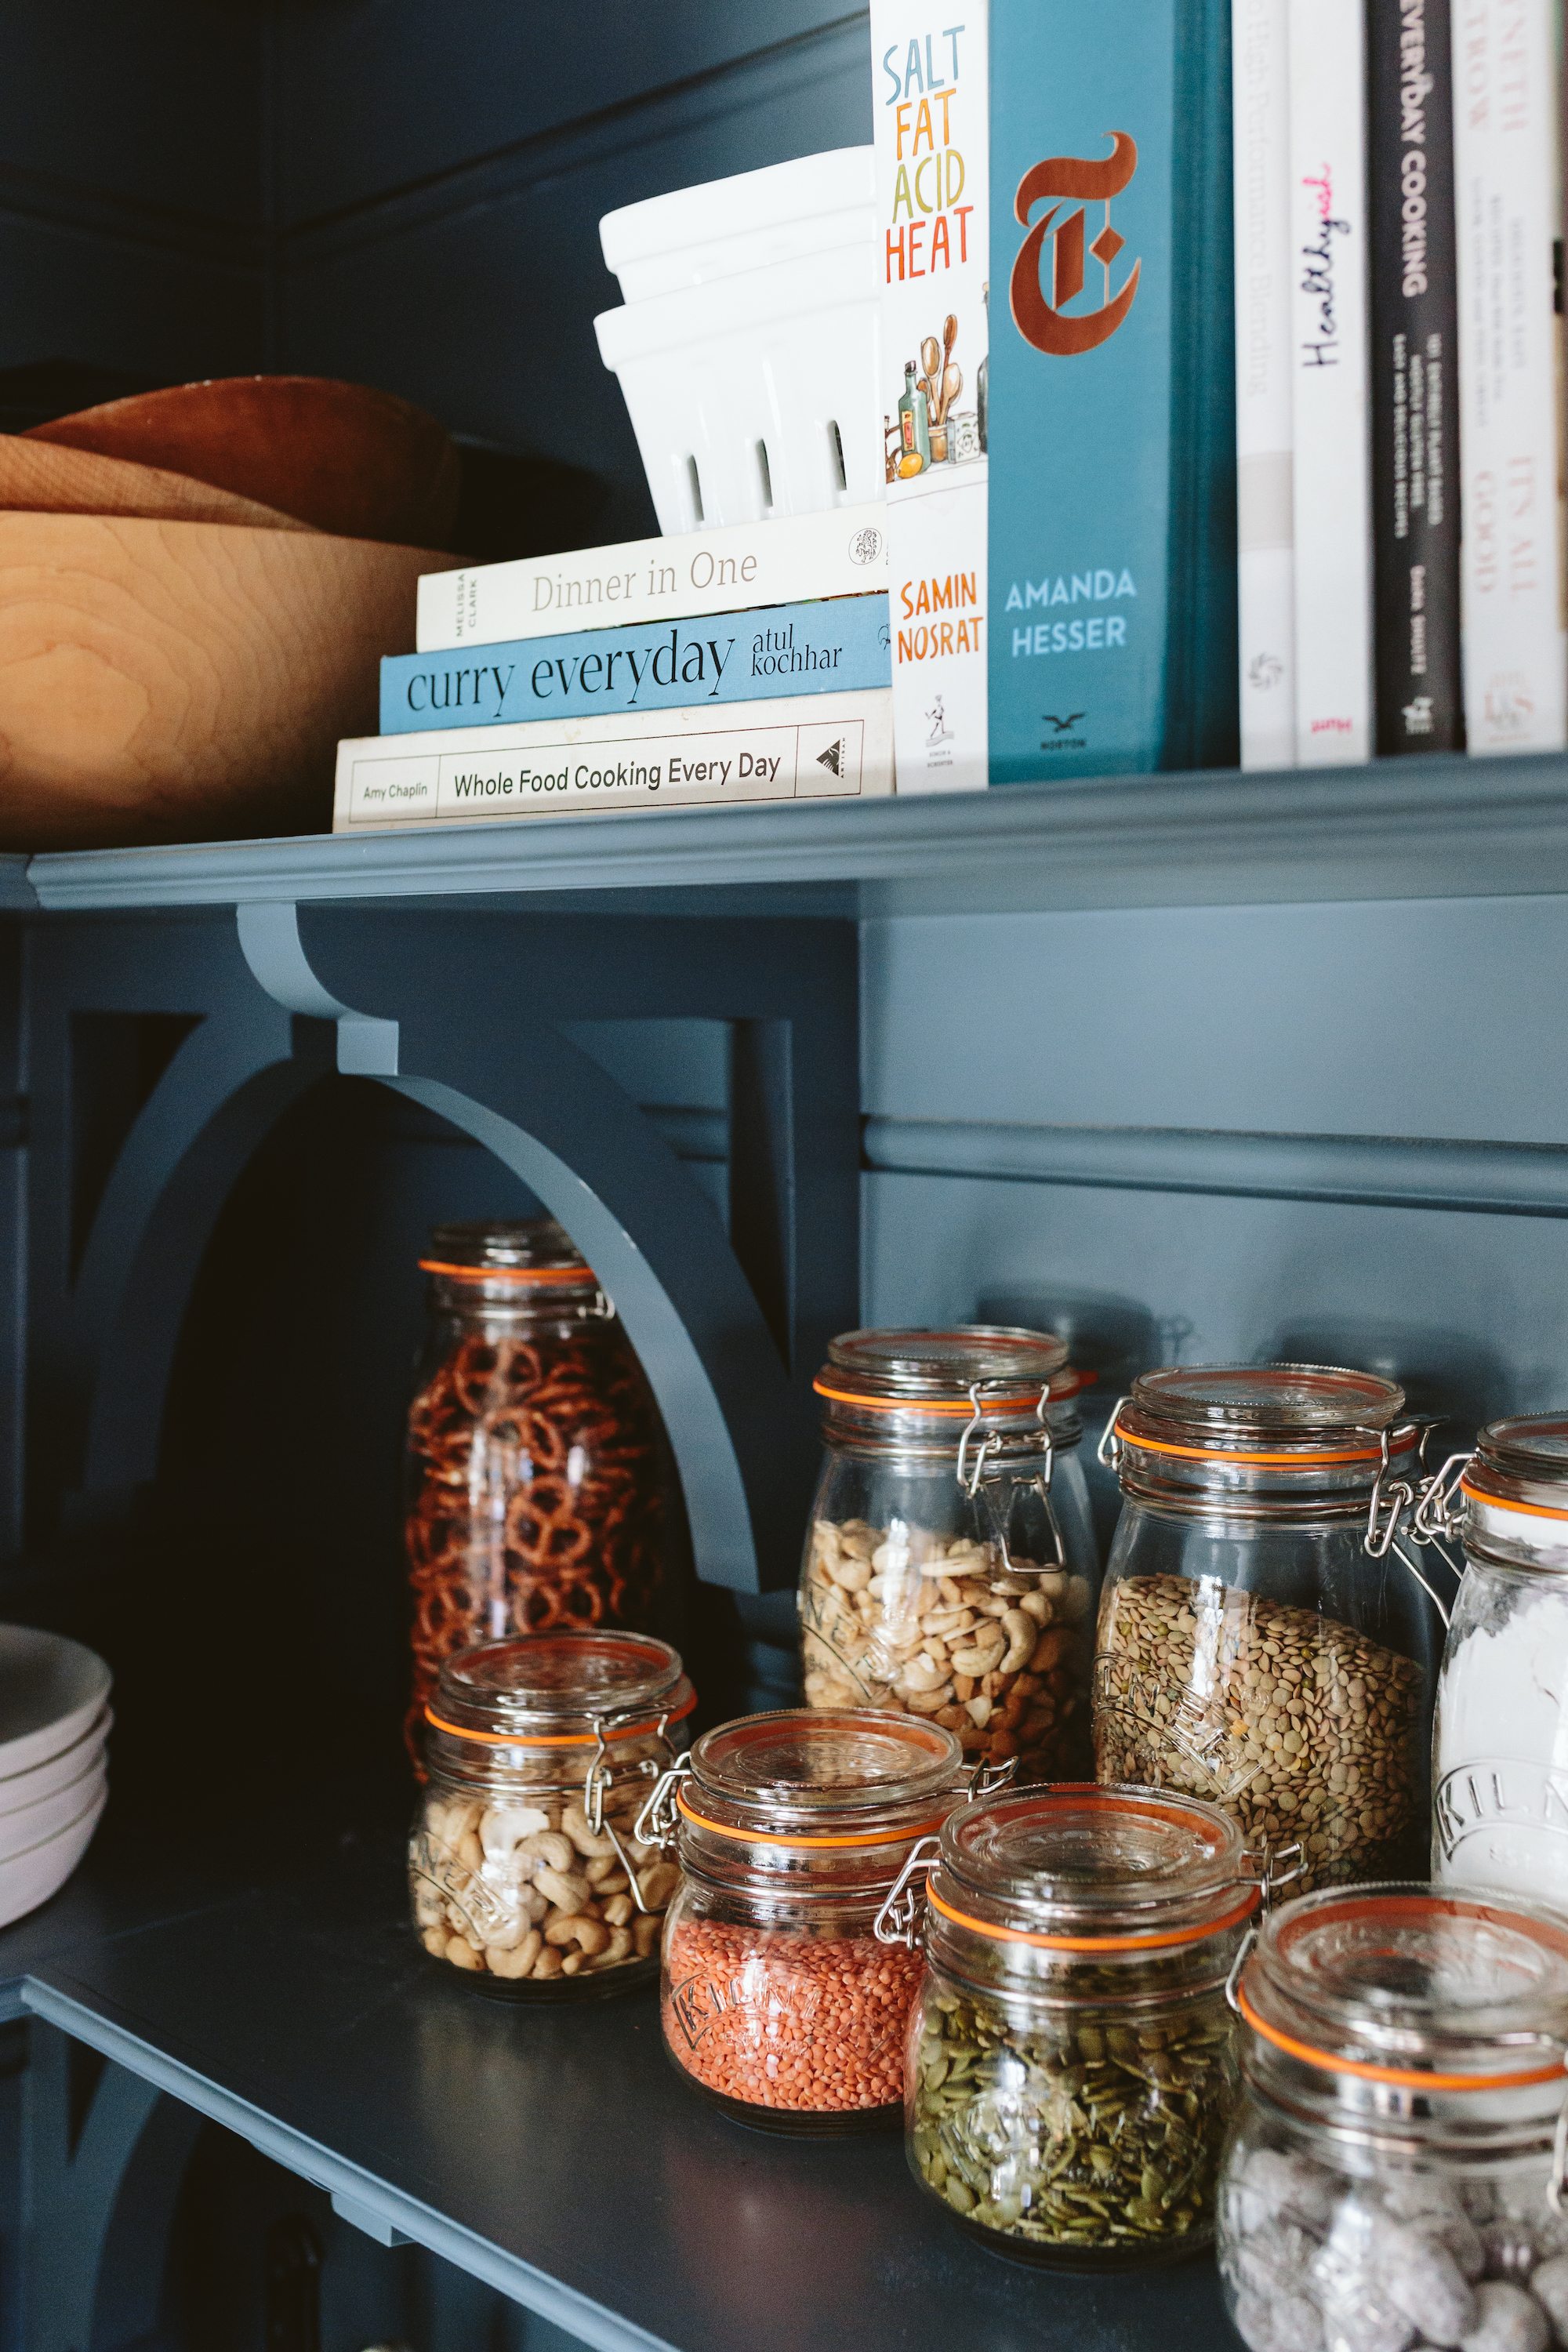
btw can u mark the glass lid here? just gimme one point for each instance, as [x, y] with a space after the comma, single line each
[1093, 1861]
[937, 1369]
[1414, 1976]
[1304, 1398]
[827, 1765]
[1529, 1448]
[562, 1676]
[517, 1245]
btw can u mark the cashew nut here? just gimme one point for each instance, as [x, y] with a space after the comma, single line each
[592, 1935]
[618, 1948]
[1022, 1633]
[574, 1822]
[503, 1829]
[435, 1941]
[516, 1961]
[462, 1954]
[929, 1702]
[470, 1853]
[658, 1883]
[548, 1964]
[645, 1934]
[568, 1892]
[549, 1845]
[618, 1910]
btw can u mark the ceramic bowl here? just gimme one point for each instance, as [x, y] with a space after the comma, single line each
[29, 1878]
[50, 1815]
[51, 1689]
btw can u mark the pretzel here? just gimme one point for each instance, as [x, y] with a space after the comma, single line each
[559, 1524]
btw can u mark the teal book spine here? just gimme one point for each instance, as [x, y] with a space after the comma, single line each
[1111, 394]
[776, 650]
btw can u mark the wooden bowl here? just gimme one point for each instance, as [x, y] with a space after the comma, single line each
[338, 456]
[42, 477]
[185, 681]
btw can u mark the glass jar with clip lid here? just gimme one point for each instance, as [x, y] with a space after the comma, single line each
[1268, 1636]
[1500, 1746]
[1393, 2177]
[1071, 2068]
[525, 1868]
[950, 1568]
[779, 2004]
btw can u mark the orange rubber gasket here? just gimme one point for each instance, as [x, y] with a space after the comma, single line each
[558, 1738]
[1028, 1401]
[772, 1837]
[1277, 1460]
[1098, 1943]
[579, 1273]
[1496, 1502]
[1398, 2077]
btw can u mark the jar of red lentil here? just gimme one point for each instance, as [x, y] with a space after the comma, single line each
[779, 2003]
[536, 1454]
[525, 1869]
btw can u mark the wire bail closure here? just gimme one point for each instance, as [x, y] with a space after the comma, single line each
[654, 1824]
[1389, 1507]
[596, 1780]
[898, 1918]
[1108, 1452]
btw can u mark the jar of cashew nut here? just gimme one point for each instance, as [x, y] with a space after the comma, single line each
[951, 1570]
[524, 1867]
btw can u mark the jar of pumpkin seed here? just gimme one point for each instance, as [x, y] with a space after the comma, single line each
[1071, 2068]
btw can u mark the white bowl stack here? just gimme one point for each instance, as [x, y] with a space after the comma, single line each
[747, 347]
[55, 1721]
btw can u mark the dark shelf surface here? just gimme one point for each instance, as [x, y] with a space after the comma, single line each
[553, 2152]
[1436, 827]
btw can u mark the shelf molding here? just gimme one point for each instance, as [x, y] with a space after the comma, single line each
[378, 2200]
[1437, 827]
[1527, 1180]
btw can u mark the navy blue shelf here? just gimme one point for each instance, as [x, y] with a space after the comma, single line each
[553, 2153]
[1399, 828]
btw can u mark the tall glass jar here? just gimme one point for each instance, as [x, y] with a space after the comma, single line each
[525, 1869]
[1070, 2060]
[1265, 1637]
[950, 1568]
[1499, 1747]
[779, 2003]
[535, 1462]
[1389, 2179]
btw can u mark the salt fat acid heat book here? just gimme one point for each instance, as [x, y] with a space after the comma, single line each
[1111, 437]
[929, 87]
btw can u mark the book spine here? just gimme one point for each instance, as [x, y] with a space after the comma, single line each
[1505, 188]
[1331, 471]
[931, 138]
[834, 747]
[1260, 35]
[785, 649]
[1415, 377]
[791, 560]
[1104, 541]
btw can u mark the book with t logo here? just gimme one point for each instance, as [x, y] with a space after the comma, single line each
[1112, 394]
[929, 91]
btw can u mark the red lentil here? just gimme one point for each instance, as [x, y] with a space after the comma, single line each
[781, 2020]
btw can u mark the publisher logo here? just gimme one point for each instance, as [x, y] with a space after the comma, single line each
[866, 545]
[1264, 671]
[1042, 322]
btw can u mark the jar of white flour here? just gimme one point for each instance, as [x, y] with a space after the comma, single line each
[1499, 1751]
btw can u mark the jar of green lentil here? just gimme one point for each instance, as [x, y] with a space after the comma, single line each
[1070, 2066]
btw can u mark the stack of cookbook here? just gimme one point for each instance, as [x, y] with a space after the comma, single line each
[741, 665]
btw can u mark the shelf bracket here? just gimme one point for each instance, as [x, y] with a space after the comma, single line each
[270, 943]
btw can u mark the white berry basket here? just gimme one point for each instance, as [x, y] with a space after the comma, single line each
[748, 347]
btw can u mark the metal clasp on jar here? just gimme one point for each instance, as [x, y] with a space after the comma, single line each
[601, 1772]
[898, 1918]
[1108, 1452]
[1438, 1516]
[654, 1826]
[972, 1472]
[1391, 1500]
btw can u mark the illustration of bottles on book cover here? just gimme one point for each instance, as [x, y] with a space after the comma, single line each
[932, 139]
